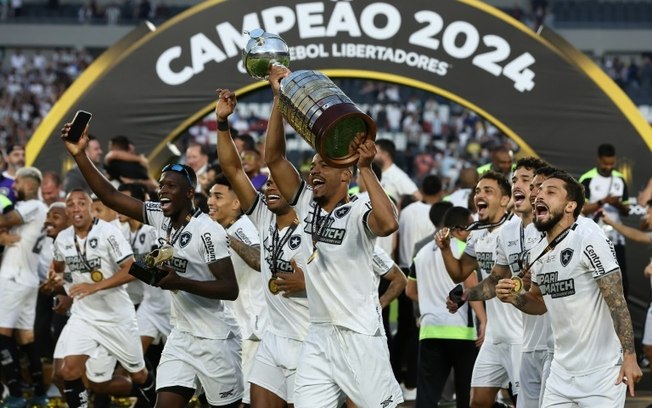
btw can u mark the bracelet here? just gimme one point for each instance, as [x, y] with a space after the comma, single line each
[223, 126]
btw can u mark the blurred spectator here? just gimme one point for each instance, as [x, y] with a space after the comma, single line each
[251, 163]
[124, 165]
[51, 191]
[197, 158]
[74, 179]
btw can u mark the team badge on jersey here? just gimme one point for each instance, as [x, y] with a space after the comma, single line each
[341, 212]
[141, 239]
[184, 239]
[566, 256]
[294, 242]
[93, 243]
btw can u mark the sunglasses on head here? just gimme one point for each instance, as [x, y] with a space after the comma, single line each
[179, 168]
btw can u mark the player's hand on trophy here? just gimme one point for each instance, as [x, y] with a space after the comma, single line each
[276, 73]
[505, 291]
[366, 151]
[74, 148]
[225, 105]
[442, 237]
[291, 283]
[171, 281]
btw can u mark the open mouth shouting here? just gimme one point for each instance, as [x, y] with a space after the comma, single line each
[166, 203]
[541, 211]
[318, 184]
[519, 197]
[482, 206]
[273, 198]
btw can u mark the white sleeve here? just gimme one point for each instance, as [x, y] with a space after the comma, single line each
[119, 248]
[27, 210]
[599, 256]
[247, 232]
[215, 245]
[382, 262]
[470, 243]
[153, 214]
[501, 258]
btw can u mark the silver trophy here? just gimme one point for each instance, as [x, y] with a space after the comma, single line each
[311, 103]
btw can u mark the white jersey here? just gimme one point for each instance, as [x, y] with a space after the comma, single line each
[155, 300]
[142, 242]
[288, 316]
[396, 182]
[98, 256]
[201, 242]
[504, 322]
[249, 308]
[413, 225]
[342, 289]
[434, 284]
[585, 339]
[20, 261]
[513, 240]
[459, 198]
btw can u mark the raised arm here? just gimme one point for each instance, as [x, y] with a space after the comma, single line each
[611, 287]
[383, 219]
[104, 190]
[228, 153]
[285, 175]
[458, 270]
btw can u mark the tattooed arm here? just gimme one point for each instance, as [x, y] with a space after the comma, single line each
[486, 289]
[249, 254]
[611, 287]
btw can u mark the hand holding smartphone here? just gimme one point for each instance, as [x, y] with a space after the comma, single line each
[78, 125]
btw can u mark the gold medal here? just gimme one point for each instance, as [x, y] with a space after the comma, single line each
[273, 287]
[97, 276]
[518, 284]
[313, 256]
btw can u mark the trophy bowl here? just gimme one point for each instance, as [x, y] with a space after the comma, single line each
[317, 109]
[262, 50]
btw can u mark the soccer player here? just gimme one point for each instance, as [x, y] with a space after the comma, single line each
[19, 283]
[576, 279]
[273, 370]
[205, 341]
[95, 259]
[345, 348]
[499, 359]
[249, 308]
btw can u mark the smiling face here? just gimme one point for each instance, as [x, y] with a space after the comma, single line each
[223, 204]
[521, 190]
[174, 193]
[275, 201]
[551, 204]
[78, 210]
[327, 181]
[490, 201]
[56, 221]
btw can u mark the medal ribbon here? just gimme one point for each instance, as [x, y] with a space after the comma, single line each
[277, 244]
[477, 225]
[178, 232]
[547, 249]
[82, 255]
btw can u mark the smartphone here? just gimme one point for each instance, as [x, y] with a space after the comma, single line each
[79, 123]
[456, 295]
[55, 302]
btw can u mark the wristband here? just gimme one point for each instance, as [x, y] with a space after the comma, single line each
[223, 126]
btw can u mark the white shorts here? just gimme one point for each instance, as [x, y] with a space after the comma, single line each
[333, 359]
[121, 342]
[275, 365]
[249, 350]
[597, 389]
[213, 363]
[497, 365]
[18, 305]
[535, 368]
[99, 369]
[647, 333]
[154, 325]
